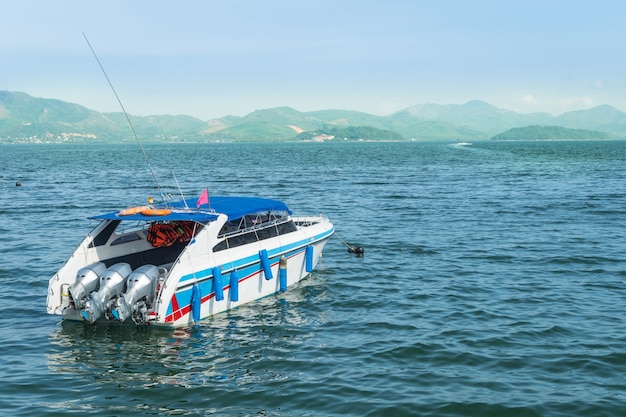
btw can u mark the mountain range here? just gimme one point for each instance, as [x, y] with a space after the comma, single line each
[24, 118]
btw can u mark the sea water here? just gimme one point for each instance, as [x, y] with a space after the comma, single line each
[492, 283]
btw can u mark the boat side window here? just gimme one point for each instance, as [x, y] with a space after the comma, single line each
[254, 235]
[223, 245]
[267, 232]
[244, 239]
[103, 237]
[236, 240]
[286, 227]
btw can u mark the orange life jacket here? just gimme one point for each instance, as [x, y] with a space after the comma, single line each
[166, 234]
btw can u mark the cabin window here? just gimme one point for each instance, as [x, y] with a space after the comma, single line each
[287, 227]
[266, 231]
[236, 240]
[103, 237]
[131, 226]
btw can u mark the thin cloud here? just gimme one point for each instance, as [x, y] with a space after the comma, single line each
[577, 102]
[530, 99]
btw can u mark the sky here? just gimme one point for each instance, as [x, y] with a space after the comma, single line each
[209, 59]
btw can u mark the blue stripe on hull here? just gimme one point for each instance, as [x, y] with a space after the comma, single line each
[254, 259]
[243, 269]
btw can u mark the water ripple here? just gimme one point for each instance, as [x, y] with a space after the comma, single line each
[491, 285]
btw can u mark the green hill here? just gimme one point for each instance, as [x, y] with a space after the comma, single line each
[351, 133]
[603, 118]
[28, 119]
[476, 118]
[549, 133]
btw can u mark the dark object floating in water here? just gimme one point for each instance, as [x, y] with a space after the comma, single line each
[357, 249]
[18, 184]
[352, 249]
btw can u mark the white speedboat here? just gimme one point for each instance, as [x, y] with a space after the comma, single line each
[172, 265]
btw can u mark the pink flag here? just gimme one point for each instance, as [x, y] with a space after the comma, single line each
[204, 198]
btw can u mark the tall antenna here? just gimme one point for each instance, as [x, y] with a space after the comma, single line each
[154, 176]
[180, 191]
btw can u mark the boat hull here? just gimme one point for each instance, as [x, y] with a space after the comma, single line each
[239, 286]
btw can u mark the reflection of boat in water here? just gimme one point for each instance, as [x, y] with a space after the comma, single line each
[176, 265]
[230, 347]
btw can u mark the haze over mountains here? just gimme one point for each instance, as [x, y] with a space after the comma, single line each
[26, 119]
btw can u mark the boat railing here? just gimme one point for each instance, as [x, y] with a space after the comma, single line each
[239, 230]
[308, 221]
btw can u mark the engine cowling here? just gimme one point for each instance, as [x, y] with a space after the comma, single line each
[112, 283]
[140, 286]
[87, 279]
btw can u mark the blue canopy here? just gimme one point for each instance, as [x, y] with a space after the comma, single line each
[233, 207]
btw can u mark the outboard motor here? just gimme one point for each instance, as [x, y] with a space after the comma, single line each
[86, 282]
[140, 289]
[112, 284]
